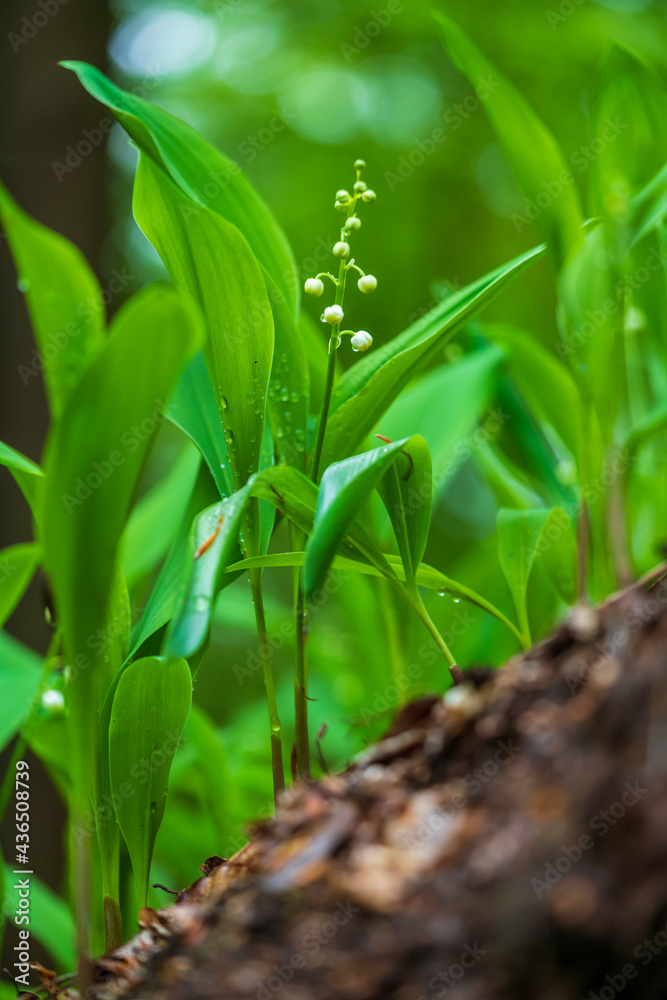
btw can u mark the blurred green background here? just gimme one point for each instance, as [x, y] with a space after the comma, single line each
[294, 92]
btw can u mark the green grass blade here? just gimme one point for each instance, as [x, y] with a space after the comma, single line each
[149, 711]
[535, 156]
[64, 300]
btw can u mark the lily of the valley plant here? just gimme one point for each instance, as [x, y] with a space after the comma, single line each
[300, 454]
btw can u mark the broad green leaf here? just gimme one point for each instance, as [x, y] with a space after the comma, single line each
[94, 458]
[163, 601]
[522, 535]
[112, 642]
[189, 629]
[149, 711]
[371, 385]
[544, 381]
[589, 316]
[63, 297]
[193, 408]
[17, 567]
[157, 515]
[211, 761]
[536, 158]
[406, 489]
[426, 576]
[51, 921]
[20, 674]
[208, 258]
[202, 172]
[444, 407]
[653, 423]
[629, 106]
[296, 497]
[649, 207]
[289, 387]
[508, 483]
[345, 488]
[28, 475]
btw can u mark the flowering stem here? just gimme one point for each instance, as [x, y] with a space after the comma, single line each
[265, 655]
[314, 286]
[334, 341]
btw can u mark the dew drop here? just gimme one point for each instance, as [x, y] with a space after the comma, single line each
[201, 603]
[23, 284]
[457, 600]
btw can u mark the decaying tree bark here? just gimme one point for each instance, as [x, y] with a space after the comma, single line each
[509, 841]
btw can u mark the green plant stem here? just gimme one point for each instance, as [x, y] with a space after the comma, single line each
[334, 341]
[326, 402]
[300, 671]
[301, 688]
[416, 602]
[267, 666]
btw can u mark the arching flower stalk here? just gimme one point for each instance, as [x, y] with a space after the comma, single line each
[333, 315]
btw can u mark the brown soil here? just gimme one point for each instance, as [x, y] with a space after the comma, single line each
[508, 842]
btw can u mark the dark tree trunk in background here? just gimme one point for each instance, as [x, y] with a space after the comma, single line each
[43, 110]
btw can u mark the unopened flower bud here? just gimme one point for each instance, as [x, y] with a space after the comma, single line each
[353, 222]
[341, 249]
[368, 195]
[367, 283]
[53, 701]
[361, 341]
[635, 320]
[359, 164]
[360, 187]
[314, 287]
[341, 206]
[333, 315]
[342, 195]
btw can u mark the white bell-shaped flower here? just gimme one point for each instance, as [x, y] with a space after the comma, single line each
[333, 315]
[367, 283]
[361, 341]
